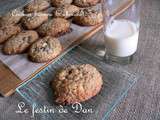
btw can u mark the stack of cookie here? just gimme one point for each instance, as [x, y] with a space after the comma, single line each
[36, 33]
[44, 20]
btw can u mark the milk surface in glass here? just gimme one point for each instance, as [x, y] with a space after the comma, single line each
[121, 36]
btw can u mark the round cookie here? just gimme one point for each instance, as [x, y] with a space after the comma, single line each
[85, 3]
[20, 43]
[11, 18]
[8, 31]
[76, 83]
[54, 27]
[58, 3]
[37, 5]
[65, 11]
[88, 17]
[45, 49]
[34, 20]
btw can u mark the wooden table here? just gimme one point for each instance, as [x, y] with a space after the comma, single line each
[143, 100]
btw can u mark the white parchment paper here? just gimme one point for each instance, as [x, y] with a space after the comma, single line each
[23, 68]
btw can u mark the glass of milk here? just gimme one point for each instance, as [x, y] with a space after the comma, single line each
[121, 31]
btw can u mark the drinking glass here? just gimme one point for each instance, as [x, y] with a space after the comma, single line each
[121, 29]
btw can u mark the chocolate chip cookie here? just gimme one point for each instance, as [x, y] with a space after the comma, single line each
[37, 5]
[65, 11]
[76, 83]
[34, 20]
[11, 18]
[8, 31]
[20, 43]
[45, 49]
[58, 3]
[54, 27]
[88, 17]
[85, 3]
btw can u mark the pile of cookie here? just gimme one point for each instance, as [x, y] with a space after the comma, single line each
[37, 34]
[34, 31]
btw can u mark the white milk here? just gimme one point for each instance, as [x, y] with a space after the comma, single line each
[122, 38]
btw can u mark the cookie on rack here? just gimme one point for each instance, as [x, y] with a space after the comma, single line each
[11, 17]
[86, 3]
[20, 43]
[58, 3]
[34, 20]
[8, 31]
[54, 27]
[65, 11]
[45, 49]
[88, 17]
[37, 5]
[76, 83]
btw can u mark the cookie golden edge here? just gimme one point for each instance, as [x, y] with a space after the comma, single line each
[59, 3]
[34, 21]
[85, 3]
[10, 47]
[35, 7]
[65, 11]
[44, 59]
[48, 28]
[91, 18]
[8, 31]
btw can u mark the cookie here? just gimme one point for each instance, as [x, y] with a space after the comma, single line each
[8, 31]
[34, 20]
[37, 5]
[76, 83]
[88, 17]
[54, 27]
[65, 11]
[85, 3]
[20, 43]
[11, 18]
[45, 49]
[58, 3]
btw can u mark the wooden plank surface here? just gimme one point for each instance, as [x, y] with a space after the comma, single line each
[8, 80]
